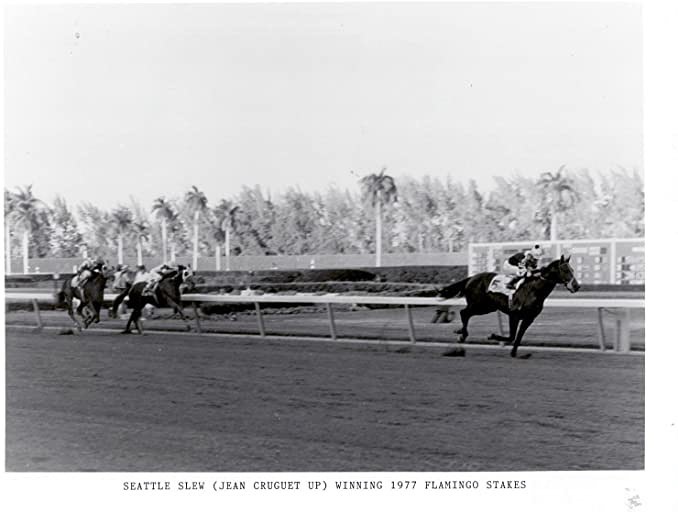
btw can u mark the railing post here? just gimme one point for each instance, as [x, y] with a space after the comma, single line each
[601, 330]
[410, 323]
[38, 318]
[330, 316]
[624, 326]
[260, 320]
[197, 317]
[500, 323]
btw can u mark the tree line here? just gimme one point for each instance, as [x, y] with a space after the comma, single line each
[413, 215]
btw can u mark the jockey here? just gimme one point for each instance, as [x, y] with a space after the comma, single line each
[120, 280]
[156, 275]
[85, 270]
[141, 275]
[522, 264]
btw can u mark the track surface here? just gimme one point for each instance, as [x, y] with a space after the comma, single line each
[106, 402]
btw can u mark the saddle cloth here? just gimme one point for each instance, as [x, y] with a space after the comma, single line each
[499, 282]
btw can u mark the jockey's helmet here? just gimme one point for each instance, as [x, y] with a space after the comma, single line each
[537, 252]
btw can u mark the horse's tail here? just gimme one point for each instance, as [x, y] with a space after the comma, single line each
[454, 290]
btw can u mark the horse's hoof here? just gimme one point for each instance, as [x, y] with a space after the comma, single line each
[492, 337]
[461, 338]
[125, 332]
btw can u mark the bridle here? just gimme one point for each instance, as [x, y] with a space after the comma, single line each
[559, 279]
[556, 281]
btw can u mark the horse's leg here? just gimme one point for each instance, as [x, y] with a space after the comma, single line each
[70, 313]
[96, 308]
[116, 304]
[521, 331]
[465, 314]
[86, 315]
[128, 329]
[513, 327]
[178, 309]
[84, 312]
[92, 315]
[137, 316]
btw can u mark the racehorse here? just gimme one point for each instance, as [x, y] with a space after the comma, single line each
[91, 296]
[168, 294]
[524, 307]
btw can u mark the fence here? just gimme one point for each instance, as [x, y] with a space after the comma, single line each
[609, 261]
[621, 308]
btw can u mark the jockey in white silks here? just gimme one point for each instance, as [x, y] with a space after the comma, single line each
[141, 275]
[120, 279]
[156, 275]
[85, 271]
[522, 264]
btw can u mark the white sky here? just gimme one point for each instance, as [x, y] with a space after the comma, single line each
[150, 100]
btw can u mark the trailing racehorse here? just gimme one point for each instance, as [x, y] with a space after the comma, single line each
[90, 295]
[526, 304]
[167, 294]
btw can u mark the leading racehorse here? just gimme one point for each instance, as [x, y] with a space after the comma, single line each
[526, 304]
[167, 294]
[91, 296]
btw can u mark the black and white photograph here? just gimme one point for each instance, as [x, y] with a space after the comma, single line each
[327, 238]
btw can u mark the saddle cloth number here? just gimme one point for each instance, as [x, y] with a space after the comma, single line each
[499, 282]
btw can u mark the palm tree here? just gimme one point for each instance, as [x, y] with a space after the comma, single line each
[164, 211]
[25, 210]
[122, 220]
[380, 189]
[559, 194]
[174, 227]
[141, 230]
[9, 208]
[226, 213]
[218, 235]
[197, 204]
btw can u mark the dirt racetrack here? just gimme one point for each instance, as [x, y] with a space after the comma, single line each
[181, 402]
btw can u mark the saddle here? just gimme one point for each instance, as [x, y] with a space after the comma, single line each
[499, 282]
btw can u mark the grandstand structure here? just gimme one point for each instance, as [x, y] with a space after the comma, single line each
[596, 261]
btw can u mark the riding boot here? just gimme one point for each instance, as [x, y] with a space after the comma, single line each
[148, 291]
